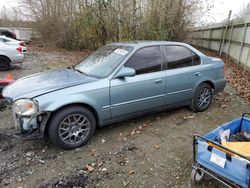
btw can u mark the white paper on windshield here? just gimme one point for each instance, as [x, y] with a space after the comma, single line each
[121, 51]
[218, 160]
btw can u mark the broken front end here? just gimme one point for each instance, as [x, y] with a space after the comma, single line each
[28, 119]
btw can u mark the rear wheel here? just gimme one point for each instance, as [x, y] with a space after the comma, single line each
[202, 98]
[4, 63]
[72, 127]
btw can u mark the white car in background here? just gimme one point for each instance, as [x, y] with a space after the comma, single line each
[10, 54]
[14, 42]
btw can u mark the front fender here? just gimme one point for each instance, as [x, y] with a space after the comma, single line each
[96, 99]
[56, 103]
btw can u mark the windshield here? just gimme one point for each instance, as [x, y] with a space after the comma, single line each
[102, 62]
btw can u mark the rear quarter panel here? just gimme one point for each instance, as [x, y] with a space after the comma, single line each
[213, 70]
[11, 52]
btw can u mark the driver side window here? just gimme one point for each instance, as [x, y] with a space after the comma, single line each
[146, 60]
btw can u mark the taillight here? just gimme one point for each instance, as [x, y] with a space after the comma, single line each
[19, 49]
[22, 43]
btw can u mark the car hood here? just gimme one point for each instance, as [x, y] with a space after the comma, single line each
[45, 82]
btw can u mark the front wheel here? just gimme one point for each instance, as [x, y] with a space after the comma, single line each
[72, 127]
[202, 98]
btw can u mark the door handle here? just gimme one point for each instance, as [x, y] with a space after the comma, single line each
[158, 81]
[198, 74]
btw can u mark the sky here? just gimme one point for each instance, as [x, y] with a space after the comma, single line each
[218, 13]
[221, 9]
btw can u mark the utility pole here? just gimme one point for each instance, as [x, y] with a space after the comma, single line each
[225, 32]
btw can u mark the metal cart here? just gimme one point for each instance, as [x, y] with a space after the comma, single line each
[211, 158]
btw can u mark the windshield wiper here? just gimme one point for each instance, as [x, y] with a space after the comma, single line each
[86, 74]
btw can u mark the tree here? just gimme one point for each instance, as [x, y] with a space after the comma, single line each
[245, 10]
[81, 24]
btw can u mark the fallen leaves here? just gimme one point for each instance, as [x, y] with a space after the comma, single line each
[100, 163]
[131, 172]
[125, 183]
[41, 161]
[133, 132]
[156, 146]
[89, 168]
[189, 117]
[104, 169]
[30, 154]
[239, 81]
[138, 132]
[223, 106]
[138, 129]
[238, 78]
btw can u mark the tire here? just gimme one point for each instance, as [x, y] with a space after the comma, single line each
[4, 63]
[72, 127]
[202, 98]
[196, 175]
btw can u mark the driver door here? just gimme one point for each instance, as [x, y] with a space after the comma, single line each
[142, 92]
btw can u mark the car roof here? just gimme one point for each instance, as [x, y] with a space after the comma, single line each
[141, 44]
[148, 43]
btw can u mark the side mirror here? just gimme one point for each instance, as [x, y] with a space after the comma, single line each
[125, 72]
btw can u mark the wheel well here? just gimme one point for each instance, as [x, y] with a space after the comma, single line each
[73, 104]
[210, 83]
[5, 57]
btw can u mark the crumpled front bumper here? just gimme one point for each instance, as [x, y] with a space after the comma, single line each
[31, 127]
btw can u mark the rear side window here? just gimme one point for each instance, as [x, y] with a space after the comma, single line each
[196, 59]
[146, 60]
[179, 56]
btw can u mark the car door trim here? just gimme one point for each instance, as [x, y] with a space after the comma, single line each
[137, 100]
[106, 107]
[181, 91]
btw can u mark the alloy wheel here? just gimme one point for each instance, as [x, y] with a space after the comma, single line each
[74, 129]
[204, 98]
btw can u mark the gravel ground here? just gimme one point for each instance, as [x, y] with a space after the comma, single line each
[153, 151]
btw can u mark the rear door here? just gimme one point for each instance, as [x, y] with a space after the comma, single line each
[184, 70]
[144, 91]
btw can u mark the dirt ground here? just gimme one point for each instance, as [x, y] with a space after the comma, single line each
[152, 151]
